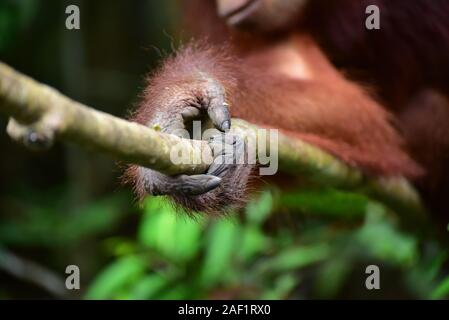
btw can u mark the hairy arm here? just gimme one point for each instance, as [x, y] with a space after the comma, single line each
[327, 111]
[335, 115]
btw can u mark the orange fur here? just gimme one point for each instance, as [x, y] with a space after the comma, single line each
[290, 81]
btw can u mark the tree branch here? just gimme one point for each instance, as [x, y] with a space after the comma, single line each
[32, 272]
[41, 114]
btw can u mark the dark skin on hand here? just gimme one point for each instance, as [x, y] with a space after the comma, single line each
[277, 63]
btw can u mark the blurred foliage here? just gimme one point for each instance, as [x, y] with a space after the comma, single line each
[62, 207]
[177, 257]
[46, 220]
[13, 16]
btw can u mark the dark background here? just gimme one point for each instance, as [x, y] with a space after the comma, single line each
[66, 206]
[102, 65]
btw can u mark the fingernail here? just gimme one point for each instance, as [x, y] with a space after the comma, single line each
[226, 125]
[212, 183]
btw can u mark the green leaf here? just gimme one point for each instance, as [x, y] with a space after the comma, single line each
[296, 258]
[253, 242]
[326, 202]
[442, 291]
[175, 237]
[148, 287]
[221, 245]
[381, 239]
[187, 236]
[158, 226]
[332, 276]
[116, 277]
[282, 287]
[259, 209]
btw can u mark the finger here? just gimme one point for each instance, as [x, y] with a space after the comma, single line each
[190, 113]
[217, 144]
[228, 150]
[220, 142]
[224, 157]
[177, 127]
[221, 165]
[159, 184]
[197, 184]
[218, 112]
